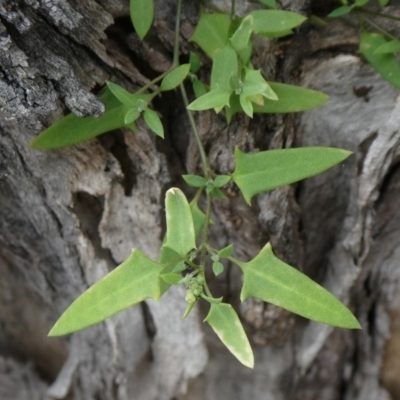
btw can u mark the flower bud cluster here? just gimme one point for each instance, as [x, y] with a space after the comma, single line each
[194, 288]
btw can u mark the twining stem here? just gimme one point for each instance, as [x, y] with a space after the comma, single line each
[379, 29]
[378, 14]
[177, 33]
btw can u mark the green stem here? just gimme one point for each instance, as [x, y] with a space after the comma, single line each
[233, 4]
[154, 81]
[206, 167]
[177, 34]
[378, 14]
[204, 237]
[379, 29]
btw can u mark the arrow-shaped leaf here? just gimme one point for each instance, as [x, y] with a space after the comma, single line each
[226, 324]
[269, 279]
[268, 170]
[135, 280]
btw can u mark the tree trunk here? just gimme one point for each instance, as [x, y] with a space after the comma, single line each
[69, 216]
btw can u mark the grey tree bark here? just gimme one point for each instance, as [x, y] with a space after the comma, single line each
[67, 217]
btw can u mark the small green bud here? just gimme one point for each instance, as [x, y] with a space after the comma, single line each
[190, 297]
[200, 279]
[197, 292]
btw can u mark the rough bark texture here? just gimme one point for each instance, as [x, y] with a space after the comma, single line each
[67, 217]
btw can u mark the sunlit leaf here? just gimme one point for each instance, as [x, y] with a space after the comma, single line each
[226, 324]
[180, 235]
[153, 121]
[247, 105]
[386, 64]
[241, 37]
[175, 77]
[123, 95]
[267, 170]
[340, 11]
[72, 129]
[225, 65]
[389, 47]
[252, 80]
[135, 280]
[216, 98]
[269, 279]
[212, 32]
[194, 180]
[274, 21]
[142, 14]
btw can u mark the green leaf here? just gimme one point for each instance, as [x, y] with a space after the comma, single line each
[214, 99]
[195, 63]
[246, 105]
[269, 279]
[153, 121]
[171, 279]
[175, 77]
[73, 130]
[180, 235]
[226, 324]
[218, 268]
[361, 3]
[254, 79]
[384, 3]
[142, 14]
[198, 217]
[221, 180]
[274, 21]
[132, 115]
[226, 251]
[386, 64]
[389, 47]
[123, 95]
[340, 11]
[268, 170]
[218, 193]
[179, 267]
[291, 99]
[240, 39]
[135, 280]
[212, 32]
[269, 3]
[199, 88]
[194, 180]
[225, 65]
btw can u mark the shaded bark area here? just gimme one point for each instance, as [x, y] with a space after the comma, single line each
[68, 217]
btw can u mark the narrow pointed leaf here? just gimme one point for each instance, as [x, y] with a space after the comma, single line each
[180, 235]
[175, 77]
[274, 21]
[194, 180]
[153, 121]
[361, 3]
[226, 251]
[212, 32]
[131, 116]
[340, 11]
[268, 170]
[216, 98]
[198, 217]
[246, 105]
[72, 130]
[123, 95]
[241, 37]
[142, 14]
[389, 47]
[254, 77]
[269, 279]
[135, 280]
[226, 324]
[386, 64]
[195, 63]
[221, 180]
[199, 88]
